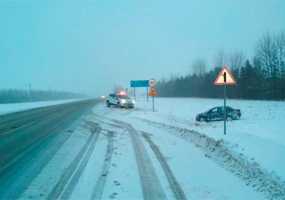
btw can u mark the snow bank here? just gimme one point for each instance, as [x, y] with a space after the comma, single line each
[14, 107]
[248, 170]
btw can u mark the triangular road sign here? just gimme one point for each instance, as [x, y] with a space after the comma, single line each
[225, 77]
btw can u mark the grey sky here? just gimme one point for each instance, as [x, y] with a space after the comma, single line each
[90, 45]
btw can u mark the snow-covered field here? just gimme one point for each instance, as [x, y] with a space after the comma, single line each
[14, 107]
[260, 134]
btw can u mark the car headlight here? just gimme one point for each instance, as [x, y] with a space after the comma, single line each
[123, 101]
[133, 101]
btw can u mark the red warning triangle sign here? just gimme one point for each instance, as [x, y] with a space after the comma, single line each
[225, 77]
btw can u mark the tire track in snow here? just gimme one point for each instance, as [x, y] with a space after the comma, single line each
[67, 182]
[250, 172]
[100, 184]
[174, 185]
[97, 118]
[150, 183]
[30, 171]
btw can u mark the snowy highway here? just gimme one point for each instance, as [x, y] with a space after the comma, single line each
[84, 150]
[29, 139]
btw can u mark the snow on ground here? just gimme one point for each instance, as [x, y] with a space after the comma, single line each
[200, 177]
[109, 167]
[14, 107]
[43, 183]
[109, 172]
[256, 140]
[259, 134]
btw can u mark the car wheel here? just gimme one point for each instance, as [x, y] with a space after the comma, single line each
[108, 104]
[235, 117]
[230, 118]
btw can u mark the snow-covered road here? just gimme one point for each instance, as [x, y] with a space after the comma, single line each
[136, 154]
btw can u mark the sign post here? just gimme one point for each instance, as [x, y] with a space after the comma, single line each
[151, 83]
[225, 104]
[152, 91]
[225, 78]
[152, 103]
[147, 94]
[145, 83]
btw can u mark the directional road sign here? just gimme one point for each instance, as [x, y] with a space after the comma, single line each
[139, 83]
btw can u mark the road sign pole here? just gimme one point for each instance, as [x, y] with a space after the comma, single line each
[225, 78]
[135, 93]
[147, 94]
[225, 103]
[152, 103]
[225, 110]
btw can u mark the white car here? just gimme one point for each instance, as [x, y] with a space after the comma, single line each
[122, 101]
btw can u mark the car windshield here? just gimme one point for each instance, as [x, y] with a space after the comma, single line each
[142, 99]
[213, 110]
[124, 97]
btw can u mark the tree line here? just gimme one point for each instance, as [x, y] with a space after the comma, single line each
[18, 96]
[261, 77]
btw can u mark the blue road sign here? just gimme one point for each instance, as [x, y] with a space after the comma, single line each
[139, 83]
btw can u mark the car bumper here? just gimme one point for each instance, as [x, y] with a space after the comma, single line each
[127, 105]
[198, 118]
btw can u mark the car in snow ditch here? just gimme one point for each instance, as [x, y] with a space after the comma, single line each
[217, 114]
[122, 101]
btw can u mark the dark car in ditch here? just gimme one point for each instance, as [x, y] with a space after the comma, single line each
[217, 114]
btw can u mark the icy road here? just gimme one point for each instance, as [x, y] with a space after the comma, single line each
[112, 153]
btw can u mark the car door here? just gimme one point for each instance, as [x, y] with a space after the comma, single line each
[112, 99]
[109, 99]
[231, 113]
[220, 115]
[213, 114]
[116, 100]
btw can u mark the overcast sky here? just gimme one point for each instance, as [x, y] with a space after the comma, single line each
[90, 45]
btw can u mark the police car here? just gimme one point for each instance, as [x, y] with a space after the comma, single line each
[121, 100]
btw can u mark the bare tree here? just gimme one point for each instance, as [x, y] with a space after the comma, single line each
[199, 67]
[266, 53]
[280, 48]
[220, 59]
[236, 60]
